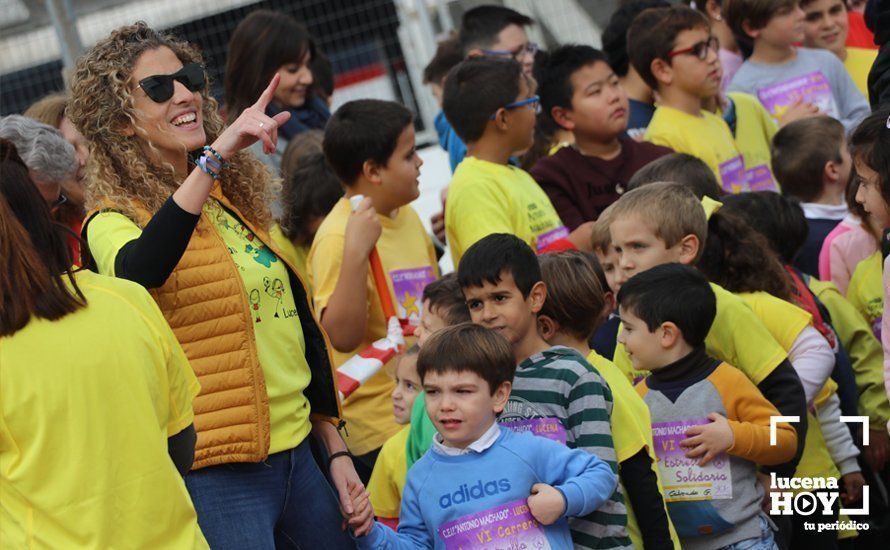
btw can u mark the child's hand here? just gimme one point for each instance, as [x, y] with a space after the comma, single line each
[878, 449]
[362, 518]
[362, 230]
[852, 487]
[546, 503]
[709, 440]
[798, 110]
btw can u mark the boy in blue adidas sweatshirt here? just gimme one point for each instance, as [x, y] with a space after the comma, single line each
[481, 486]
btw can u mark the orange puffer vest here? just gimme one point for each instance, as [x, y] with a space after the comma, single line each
[205, 303]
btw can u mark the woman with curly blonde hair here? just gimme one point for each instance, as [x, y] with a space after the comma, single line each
[190, 221]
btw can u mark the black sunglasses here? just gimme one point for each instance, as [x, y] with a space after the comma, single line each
[159, 88]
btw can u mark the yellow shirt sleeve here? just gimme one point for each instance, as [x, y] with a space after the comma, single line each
[107, 233]
[749, 417]
[388, 477]
[784, 320]
[740, 338]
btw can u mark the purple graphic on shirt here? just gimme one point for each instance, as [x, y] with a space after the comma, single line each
[549, 427]
[546, 239]
[407, 286]
[732, 175]
[683, 478]
[761, 179]
[811, 87]
[507, 526]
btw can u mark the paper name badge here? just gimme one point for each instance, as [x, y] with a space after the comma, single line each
[683, 478]
[407, 286]
[550, 427]
[546, 239]
[761, 179]
[812, 87]
[733, 176]
[507, 526]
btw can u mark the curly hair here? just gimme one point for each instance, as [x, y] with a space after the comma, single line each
[740, 259]
[119, 171]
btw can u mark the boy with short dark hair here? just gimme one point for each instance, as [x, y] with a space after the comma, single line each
[781, 74]
[708, 420]
[556, 393]
[492, 105]
[641, 98]
[370, 146]
[572, 311]
[679, 168]
[811, 161]
[480, 483]
[583, 95]
[488, 31]
[675, 53]
[666, 223]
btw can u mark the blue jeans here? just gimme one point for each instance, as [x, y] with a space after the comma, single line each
[284, 502]
[764, 542]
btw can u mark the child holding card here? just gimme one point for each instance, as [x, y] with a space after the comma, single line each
[710, 423]
[784, 76]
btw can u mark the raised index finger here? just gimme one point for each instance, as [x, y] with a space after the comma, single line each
[268, 93]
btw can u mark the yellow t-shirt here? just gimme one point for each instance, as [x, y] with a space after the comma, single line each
[281, 348]
[88, 402]
[784, 320]
[631, 431]
[388, 478]
[279, 335]
[486, 198]
[754, 133]
[295, 254]
[858, 64]
[737, 337]
[706, 137]
[409, 261]
[866, 292]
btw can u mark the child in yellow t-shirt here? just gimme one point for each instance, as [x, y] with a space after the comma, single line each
[390, 470]
[680, 62]
[370, 146]
[491, 105]
[664, 223]
[309, 193]
[571, 313]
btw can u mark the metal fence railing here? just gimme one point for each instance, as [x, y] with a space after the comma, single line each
[378, 48]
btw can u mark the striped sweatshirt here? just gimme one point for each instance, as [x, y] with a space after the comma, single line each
[557, 394]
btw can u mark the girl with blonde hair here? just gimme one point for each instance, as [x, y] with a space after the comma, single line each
[177, 205]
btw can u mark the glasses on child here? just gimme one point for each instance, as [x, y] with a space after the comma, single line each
[534, 102]
[159, 88]
[699, 49]
[530, 48]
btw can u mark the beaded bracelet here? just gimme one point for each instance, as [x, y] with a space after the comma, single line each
[215, 153]
[213, 169]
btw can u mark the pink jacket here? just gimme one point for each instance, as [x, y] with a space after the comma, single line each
[847, 245]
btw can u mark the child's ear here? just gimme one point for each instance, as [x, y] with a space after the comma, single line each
[830, 173]
[563, 117]
[547, 327]
[501, 396]
[670, 333]
[537, 296]
[689, 247]
[371, 172]
[750, 31]
[662, 71]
